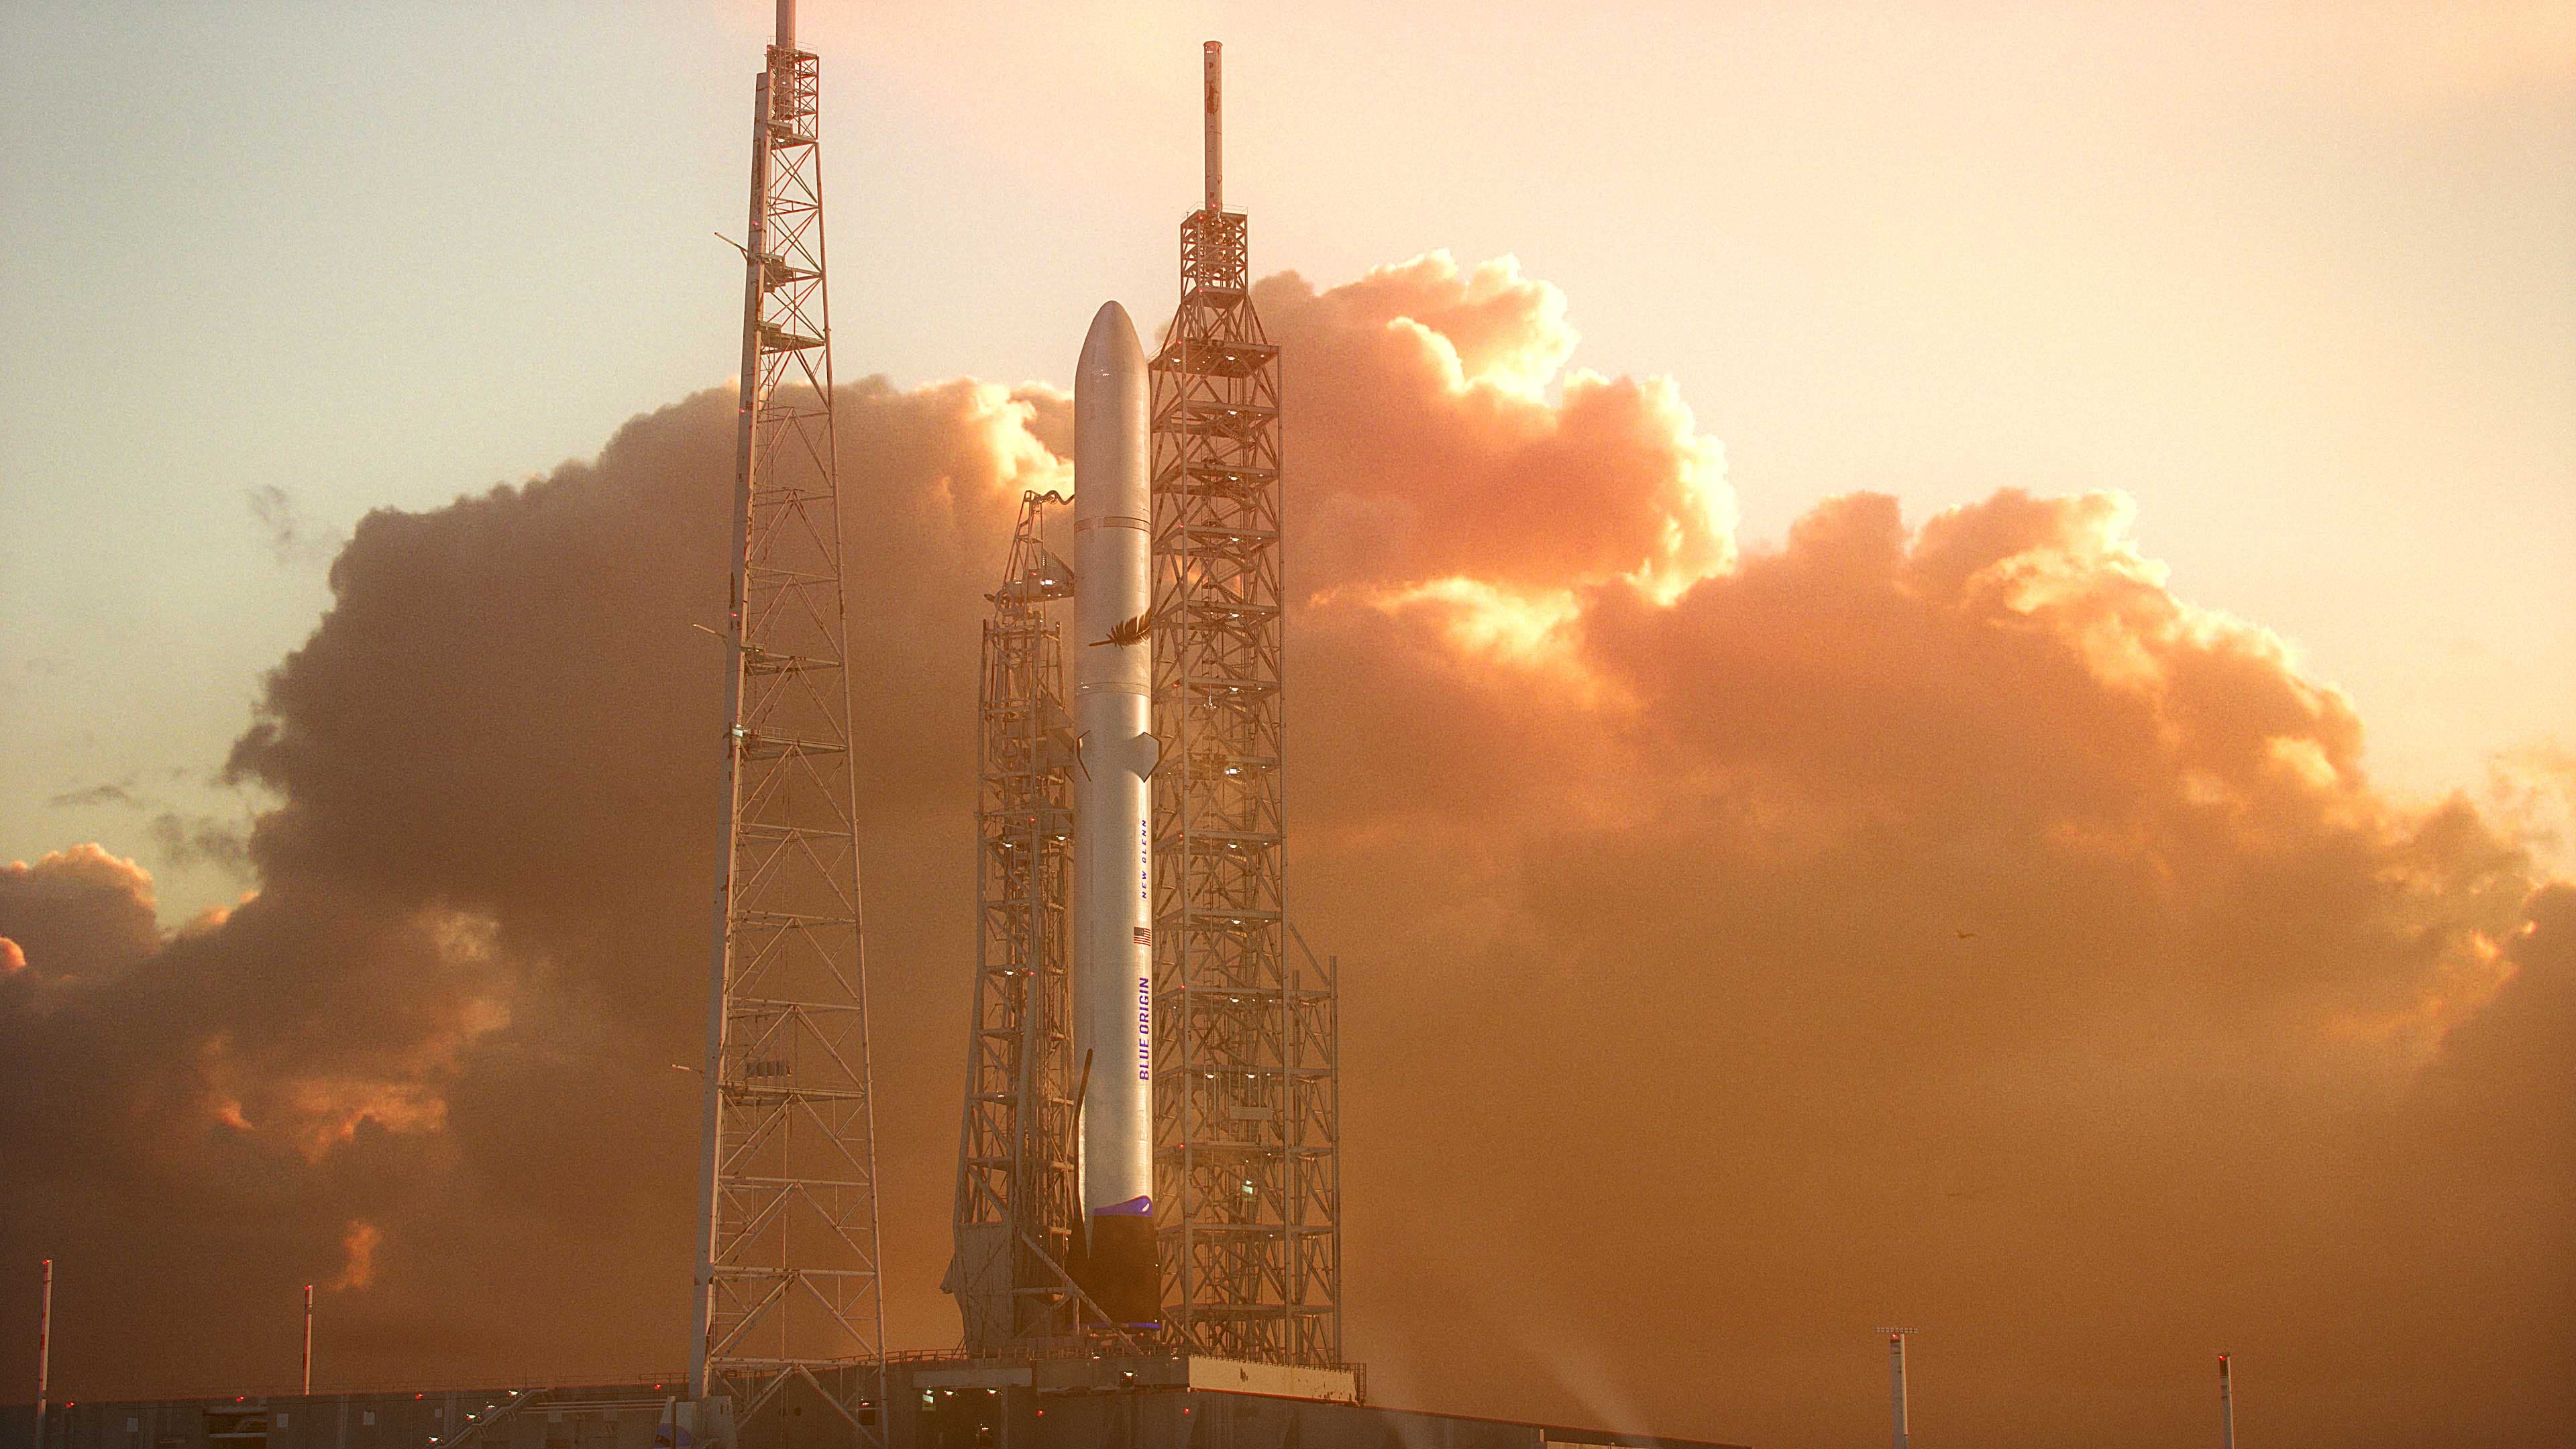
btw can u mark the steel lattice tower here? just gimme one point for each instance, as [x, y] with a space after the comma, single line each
[1246, 1094]
[788, 1262]
[1017, 1198]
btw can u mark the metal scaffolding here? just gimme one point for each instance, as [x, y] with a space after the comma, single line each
[1246, 1092]
[1017, 1198]
[787, 1274]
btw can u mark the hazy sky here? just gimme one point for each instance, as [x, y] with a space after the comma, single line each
[2298, 277]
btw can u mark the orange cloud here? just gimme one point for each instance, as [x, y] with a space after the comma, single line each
[2534, 787]
[359, 1270]
[1418, 399]
[80, 912]
[1943, 918]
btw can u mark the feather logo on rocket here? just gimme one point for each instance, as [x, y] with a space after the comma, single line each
[1130, 631]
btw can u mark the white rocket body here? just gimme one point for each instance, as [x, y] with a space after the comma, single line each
[1113, 828]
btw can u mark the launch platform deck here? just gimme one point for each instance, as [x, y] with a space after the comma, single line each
[932, 1402]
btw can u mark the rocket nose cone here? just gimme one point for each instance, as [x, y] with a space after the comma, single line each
[1110, 345]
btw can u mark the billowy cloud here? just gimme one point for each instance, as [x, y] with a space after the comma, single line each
[1745, 945]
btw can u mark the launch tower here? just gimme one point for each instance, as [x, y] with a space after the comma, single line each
[1016, 1203]
[1247, 1199]
[787, 1277]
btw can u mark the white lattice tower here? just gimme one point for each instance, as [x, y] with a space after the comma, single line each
[788, 1263]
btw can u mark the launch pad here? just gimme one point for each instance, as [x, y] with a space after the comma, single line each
[933, 1401]
[1182, 1402]
[1152, 1373]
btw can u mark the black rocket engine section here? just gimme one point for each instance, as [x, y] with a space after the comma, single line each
[1119, 1269]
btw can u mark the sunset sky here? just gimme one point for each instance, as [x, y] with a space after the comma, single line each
[2102, 476]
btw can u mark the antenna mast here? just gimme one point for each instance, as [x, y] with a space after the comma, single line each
[787, 1276]
[1247, 1197]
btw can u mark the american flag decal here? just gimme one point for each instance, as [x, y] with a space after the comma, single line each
[1144, 935]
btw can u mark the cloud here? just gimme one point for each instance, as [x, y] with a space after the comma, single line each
[80, 913]
[2534, 786]
[1441, 453]
[187, 840]
[360, 1242]
[290, 539]
[118, 793]
[1745, 944]
[478, 936]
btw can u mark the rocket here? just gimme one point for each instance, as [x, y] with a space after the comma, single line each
[1113, 978]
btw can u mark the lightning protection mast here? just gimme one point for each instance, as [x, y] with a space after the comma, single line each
[1017, 1198]
[2226, 1403]
[787, 1273]
[1247, 1180]
[1901, 1424]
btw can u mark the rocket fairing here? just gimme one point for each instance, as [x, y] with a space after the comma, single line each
[1113, 984]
